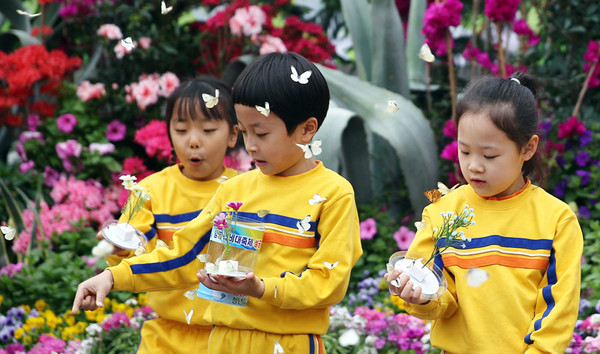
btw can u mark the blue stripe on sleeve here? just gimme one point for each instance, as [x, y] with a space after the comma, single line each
[176, 219]
[514, 242]
[172, 263]
[547, 294]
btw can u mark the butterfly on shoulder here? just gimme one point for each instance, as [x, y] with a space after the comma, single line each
[210, 100]
[302, 78]
[188, 316]
[433, 195]
[331, 265]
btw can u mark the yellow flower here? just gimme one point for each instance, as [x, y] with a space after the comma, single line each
[1, 299]
[397, 301]
[27, 340]
[69, 318]
[40, 305]
[27, 308]
[19, 333]
[35, 322]
[142, 299]
[27, 327]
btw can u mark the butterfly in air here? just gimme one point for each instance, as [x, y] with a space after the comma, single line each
[191, 294]
[331, 265]
[433, 195]
[425, 53]
[9, 232]
[211, 101]
[188, 316]
[304, 224]
[316, 199]
[264, 110]
[278, 349]
[476, 277]
[25, 13]
[164, 9]
[262, 213]
[303, 78]
[311, 149]
[392, 105]
[127, 43]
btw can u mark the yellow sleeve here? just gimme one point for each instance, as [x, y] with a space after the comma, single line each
[167, 269]
[447, 304]
[339, 249]
[143, 221]
[557, 307]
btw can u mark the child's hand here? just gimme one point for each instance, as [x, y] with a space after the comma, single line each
[405, 287]
[251, 285]
[91, 293]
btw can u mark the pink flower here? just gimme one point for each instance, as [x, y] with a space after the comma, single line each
[270, 44]
[102, 148]
[248, 21]
[450, 129]
[238, 160]
[68, 148]
[33, 120]
[368, 229]
[66, 122]
[110, 31]
[11, 269]
[26, 166]
[120, 49]
[450, 152]
[571, 128]
[235, 205]
[28, 135]
[220, 221]
[155, 139]
[167, 83]
[115, 131]
[438, 18]
[593, 52]
[50, 176]
[145, 42]
[501, 10]
[145, 92]
[404, 237]
[86, 90]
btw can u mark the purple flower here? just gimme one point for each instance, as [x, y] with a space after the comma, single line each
[368, 229]
[586, 138]
[545, 127]
[584, 212]
[585, 176]
[582, 158]
[584, 304]
[33, 120]
[66, 123]
[115, 131]
[559, 189]
[50, 176]
[68, 148]
[560, 161]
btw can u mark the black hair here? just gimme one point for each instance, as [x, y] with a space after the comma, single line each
[512, 107]
[268, 79]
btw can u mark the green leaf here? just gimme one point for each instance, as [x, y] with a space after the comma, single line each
[358, 20]
[9, 8]
[388, 66]
[406, 130]
[414, 41]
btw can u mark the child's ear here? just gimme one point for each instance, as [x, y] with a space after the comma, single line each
[232, 140]
[531, 147]
[308, 129]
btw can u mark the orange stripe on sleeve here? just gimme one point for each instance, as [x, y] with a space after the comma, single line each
[509, 261]
[305, 242]
[165, 235]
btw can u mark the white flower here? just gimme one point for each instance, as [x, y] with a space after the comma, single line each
[349, 337]
[93, 329]
[595, 318]
[128, 181]
[131, 302]
[9, 232]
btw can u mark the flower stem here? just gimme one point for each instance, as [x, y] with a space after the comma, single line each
[501, 58]
[451, 72]
[584, 88]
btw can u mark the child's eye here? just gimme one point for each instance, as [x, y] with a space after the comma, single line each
[490, 157]
[464, 152]
[180, 131]
[261, 135]
[209, 130]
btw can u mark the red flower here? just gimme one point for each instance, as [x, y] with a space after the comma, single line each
[501, 10]
[571, 128]
[45, 31]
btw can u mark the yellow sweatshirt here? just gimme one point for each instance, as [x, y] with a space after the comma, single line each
[304, 273]
[530, 245]
[174, 201]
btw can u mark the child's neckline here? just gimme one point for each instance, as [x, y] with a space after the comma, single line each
[527, 183]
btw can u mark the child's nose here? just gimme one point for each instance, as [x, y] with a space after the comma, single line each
[475, 165]
[195, 140]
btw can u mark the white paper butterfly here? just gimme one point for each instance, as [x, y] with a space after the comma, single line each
[304, 224]
[331, 265]
[211, 101]
[202, 257]
[311, 149]
[264, 110]
[425, 53]
[222, 179]
[161, 243]
[191, 294]
[316, 199]
[140, 250]
[303, 78]
[444, 189]
[188, 316]
[262, 213]
[127, 43]
[278, 349]
[420, 225]
[476, 277]
[25, 13]
[164, 9]
[392, 105]
[9, 232]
